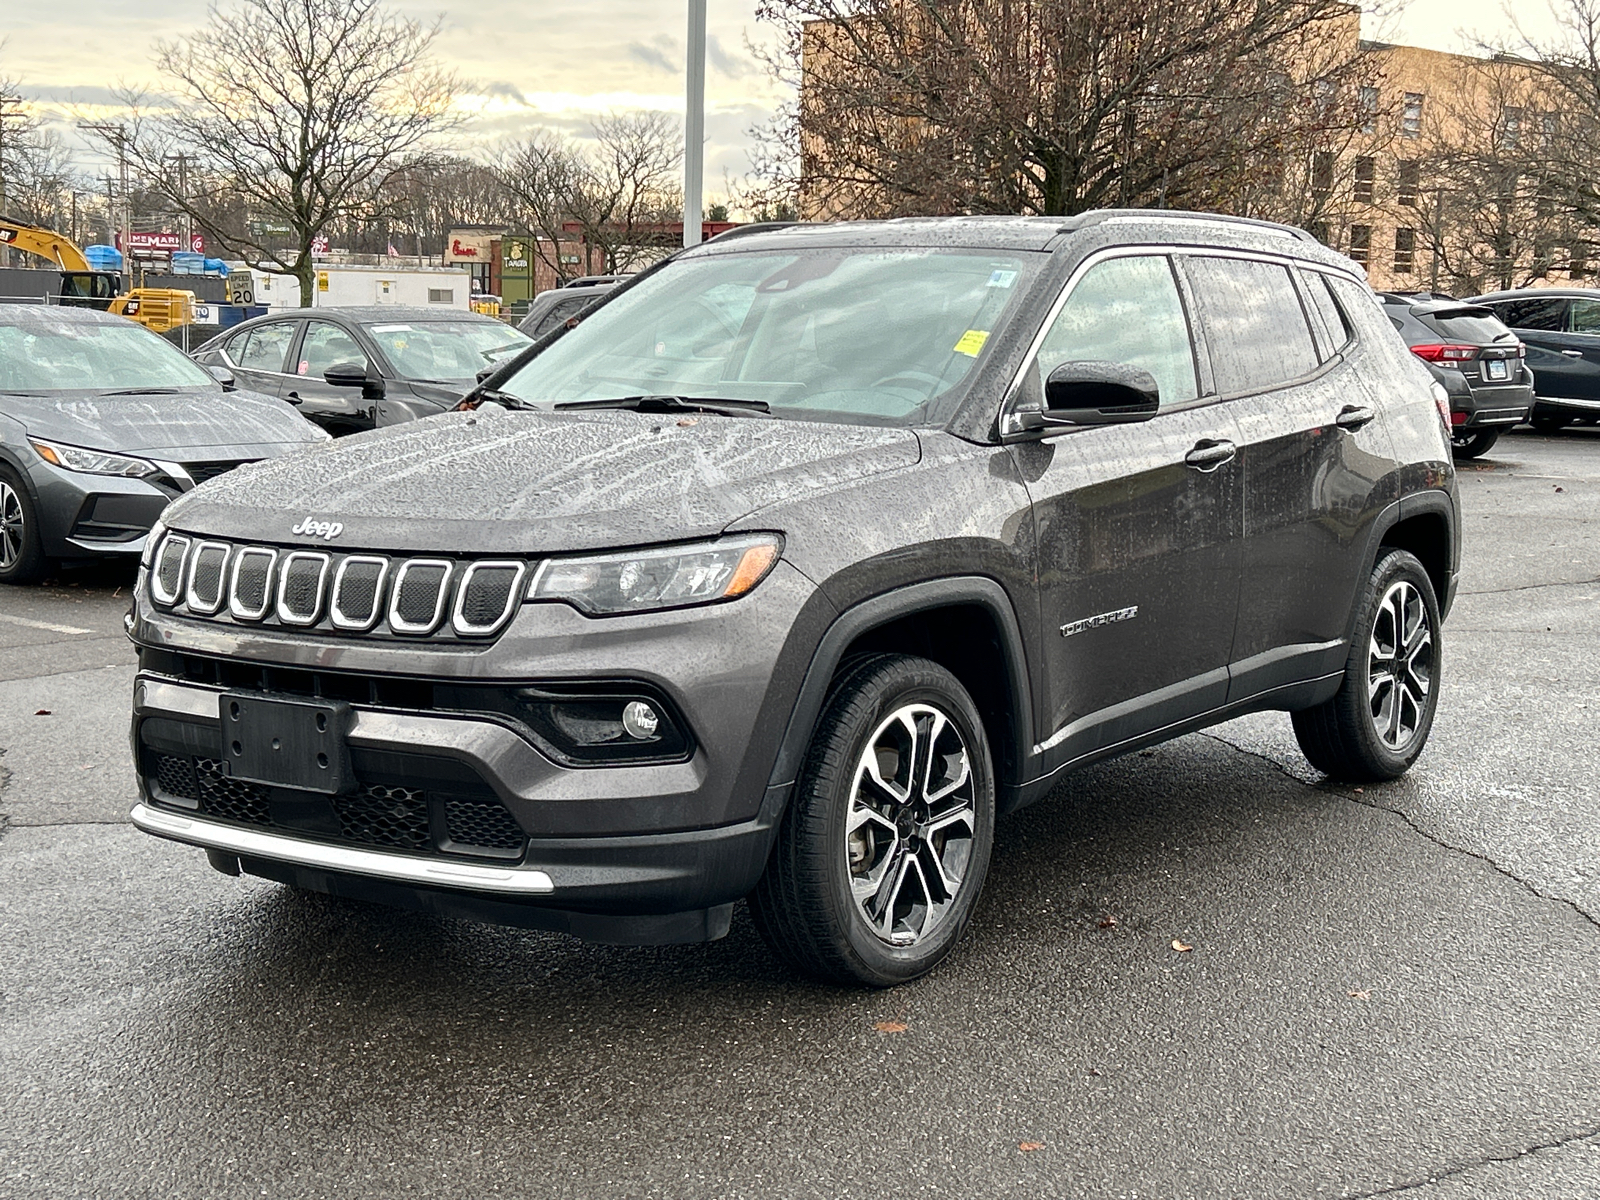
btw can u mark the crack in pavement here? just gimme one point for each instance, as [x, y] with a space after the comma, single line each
[1528, 587]
[1328, 785]
[1490, 1160]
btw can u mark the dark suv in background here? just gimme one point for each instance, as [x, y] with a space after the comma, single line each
[1477, 359]
[799, 560]
[1561, 327]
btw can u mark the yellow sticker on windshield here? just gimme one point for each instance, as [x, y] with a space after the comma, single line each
[971, 342]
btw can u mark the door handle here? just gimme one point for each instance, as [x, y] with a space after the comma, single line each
[1354, 416]
[294, 398]
[1573, 353]
[1210, 453]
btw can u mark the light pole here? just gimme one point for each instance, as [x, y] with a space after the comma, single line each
[694, 124]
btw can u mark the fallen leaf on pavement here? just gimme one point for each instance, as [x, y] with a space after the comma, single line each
[1361, 994]
[1181, 947]
[43, 712]
[889, 1026]
[1108, 922]
[1030, 1146]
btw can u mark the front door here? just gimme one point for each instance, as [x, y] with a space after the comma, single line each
[1138, 525]
[337, 409]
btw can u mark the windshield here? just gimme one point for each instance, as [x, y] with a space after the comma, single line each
[42, 352]
[448, 351]
[864, 336]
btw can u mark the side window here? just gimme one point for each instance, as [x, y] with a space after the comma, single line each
[1541, 313]
[560, 311]
[1585, 316]
[1124, 310]
[1326, 310]
[326, 345]
[266, 348]
[1255, 327]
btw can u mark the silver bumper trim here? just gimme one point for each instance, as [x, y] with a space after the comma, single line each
[500, 881]
[1568, 402]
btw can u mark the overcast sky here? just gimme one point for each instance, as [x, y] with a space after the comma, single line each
[551, 62]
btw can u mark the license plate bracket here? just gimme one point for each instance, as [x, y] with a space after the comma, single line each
[1496, 368]
[287, 742]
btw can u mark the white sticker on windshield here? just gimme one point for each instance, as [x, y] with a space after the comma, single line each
[391, 329]
[1002, 279]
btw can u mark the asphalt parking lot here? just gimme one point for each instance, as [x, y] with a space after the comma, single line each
[1389, 991]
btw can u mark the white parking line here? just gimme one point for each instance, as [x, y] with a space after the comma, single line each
[43, 625]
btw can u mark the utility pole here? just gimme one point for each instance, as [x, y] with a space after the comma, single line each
[183, 198]
[118, 137]
[694, 125]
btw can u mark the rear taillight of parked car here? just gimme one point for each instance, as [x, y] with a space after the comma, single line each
[1445, 355]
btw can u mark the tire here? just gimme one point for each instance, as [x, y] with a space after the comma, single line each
[1378, 722]
[869, 883]
[1474, 445]
[1549, 424]
[22, 557]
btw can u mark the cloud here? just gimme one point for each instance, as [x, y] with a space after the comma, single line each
[733, 66]
[500, 89]
[655, 55]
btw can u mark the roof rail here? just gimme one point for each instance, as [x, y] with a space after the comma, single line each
[1101, 216]
[755, 227]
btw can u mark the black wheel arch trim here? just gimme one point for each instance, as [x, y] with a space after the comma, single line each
[1435, 502]
[890, 606]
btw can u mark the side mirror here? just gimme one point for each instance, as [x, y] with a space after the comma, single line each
[1101, 393]
[224, 376]
[347, 374]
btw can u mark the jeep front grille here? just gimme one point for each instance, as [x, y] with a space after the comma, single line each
[207, 575]
[338, 593]
[419, 595]
[300, 583]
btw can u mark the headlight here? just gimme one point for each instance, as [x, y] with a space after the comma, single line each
[93, 462]
[662, 577]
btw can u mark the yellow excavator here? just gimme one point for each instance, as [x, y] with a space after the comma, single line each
[157, 309]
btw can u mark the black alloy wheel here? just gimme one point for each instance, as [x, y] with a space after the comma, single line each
[1378, 722]
[883, 850]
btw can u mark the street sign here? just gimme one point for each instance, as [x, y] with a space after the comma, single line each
[322, 281]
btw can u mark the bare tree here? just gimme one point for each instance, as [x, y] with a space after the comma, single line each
[304, 108]
[615, 192]
[429, 196]
[1057, 106]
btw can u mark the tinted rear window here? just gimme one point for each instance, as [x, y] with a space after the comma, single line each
[1327, 310]
[1477, 326]
[1255, 326]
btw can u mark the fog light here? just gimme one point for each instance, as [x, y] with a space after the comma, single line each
[640, 720]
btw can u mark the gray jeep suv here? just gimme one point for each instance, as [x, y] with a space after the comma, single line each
[800, 559]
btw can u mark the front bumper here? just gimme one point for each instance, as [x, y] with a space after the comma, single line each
[644, 852]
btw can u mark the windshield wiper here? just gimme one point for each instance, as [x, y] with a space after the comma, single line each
[150, 391]
[495, 396]
[669, 404]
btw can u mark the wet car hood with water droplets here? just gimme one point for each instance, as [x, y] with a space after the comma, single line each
[181, 427]
[538, 482]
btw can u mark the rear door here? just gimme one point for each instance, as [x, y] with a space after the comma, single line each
[1313, 453]
[1138, 525]
[338, 409]
[1559, 358]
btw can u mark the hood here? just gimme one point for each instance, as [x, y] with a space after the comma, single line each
[540, 482]
[180, 426]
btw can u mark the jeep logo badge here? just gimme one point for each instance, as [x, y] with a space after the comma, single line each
[326, 530]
